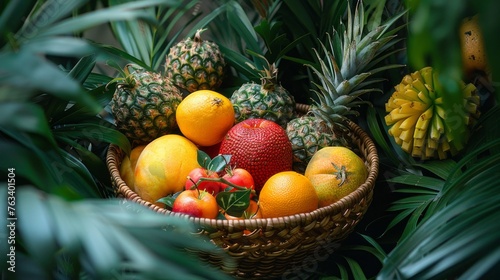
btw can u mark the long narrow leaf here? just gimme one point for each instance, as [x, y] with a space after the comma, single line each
[127, 11]
[31, 72]
[112, 244]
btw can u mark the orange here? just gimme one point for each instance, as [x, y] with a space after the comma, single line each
[287, 193]
[335, 172]
[205, 117]
[128, 166]
[163, 166]
[472, 46]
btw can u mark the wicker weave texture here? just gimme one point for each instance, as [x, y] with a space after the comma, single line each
[275, 247]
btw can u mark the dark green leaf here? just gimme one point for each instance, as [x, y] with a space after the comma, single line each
[203, 159]
[218, 163]
[27, 118]
[356, 269]
[92, 162]
[234, 203]
[96, 130]
[31, 72]
[83, 68]
[421, 181]
[128, 58]
[59, 46]
[30, 166]
[110, 239]
[127, 11]
[168, 201]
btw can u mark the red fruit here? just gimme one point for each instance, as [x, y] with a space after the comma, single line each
[239, 177]
[200, 172]
[196, 203]
[260, 146]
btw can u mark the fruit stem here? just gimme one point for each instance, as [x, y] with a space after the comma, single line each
[341, 173]
[222, 180]
[197, 35]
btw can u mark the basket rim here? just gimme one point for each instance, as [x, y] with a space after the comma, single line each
[115, 155]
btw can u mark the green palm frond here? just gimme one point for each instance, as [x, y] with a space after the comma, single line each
[450, 213]
[58, 122]
[147, 44]
[102, 239]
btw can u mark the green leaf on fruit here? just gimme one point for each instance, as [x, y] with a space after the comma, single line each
[234, 203]
[216, 164]
[169, 200]
[203, 158]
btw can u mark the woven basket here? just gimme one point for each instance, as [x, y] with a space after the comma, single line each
[276, 247]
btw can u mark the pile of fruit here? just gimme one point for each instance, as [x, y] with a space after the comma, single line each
[219, 169]
[252, 154]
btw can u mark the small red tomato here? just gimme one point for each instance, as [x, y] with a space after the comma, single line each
[200, 172]
[196, 203]
[239, 177]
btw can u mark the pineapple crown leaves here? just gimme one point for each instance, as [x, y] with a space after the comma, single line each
[359, 50]
[268, 75]
[125, 77]
[341, 86]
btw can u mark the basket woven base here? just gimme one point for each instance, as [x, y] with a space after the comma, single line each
[276, 247]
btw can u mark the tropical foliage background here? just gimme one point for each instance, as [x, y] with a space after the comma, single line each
[429, 219]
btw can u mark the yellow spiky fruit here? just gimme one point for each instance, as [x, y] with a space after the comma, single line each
[416, 115]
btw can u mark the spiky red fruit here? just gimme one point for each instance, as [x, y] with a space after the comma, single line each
[260, 146]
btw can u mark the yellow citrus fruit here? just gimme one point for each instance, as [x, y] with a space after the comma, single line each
[205, 117]
[287, 193]
[163, 166]
[335, 172]
[472, 46]
[128, 166]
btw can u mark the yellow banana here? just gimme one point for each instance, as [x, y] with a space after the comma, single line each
[411, 94]
[406, 135]
[424, 119]
[407, 80]
[429, 153]
[419, 85]
[407, 146]
[424, 97]
[418, 142]
[394, 130]
[419, 133]
[440, 112]
[416, 75]
[437, 128]
[416, 151]
[432, 144]
[398, 141]
[409, 123]
[399, 101]
[426, 74]
[388, 119]
[413, 107]
[396, 116]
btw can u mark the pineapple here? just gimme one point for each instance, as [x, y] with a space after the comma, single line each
[268, 100]
[144, 105]
[194, 64]
[416, 115]
[339, 89]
